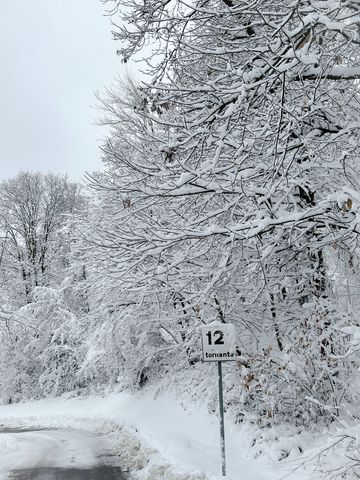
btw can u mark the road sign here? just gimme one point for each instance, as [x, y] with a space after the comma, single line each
[218, 341]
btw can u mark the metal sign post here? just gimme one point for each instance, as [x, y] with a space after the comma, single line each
[222, 422]
[218, 341]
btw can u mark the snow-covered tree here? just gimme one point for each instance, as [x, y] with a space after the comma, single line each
[33, 210]
[234, 173]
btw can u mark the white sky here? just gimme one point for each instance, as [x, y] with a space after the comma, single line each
[54, 54]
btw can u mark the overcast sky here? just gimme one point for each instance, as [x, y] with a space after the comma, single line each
[54, 55]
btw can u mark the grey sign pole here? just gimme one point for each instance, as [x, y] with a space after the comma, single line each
[222, 424]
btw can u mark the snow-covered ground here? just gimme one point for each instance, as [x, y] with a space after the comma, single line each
[156, 437]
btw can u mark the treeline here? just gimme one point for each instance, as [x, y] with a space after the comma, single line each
[230, 192]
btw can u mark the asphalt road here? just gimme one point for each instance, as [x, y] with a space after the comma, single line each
[96, 473]
[43, 454]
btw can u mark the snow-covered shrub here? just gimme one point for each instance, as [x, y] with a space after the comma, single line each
[310, 381]
[41, 351]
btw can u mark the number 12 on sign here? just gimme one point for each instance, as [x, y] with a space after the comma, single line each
[219, 340]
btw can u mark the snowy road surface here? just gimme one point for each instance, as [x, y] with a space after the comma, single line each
[40, 454]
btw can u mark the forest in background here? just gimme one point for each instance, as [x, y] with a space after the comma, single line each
[229, 192]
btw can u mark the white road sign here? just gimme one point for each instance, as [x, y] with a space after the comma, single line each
[218, 341]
